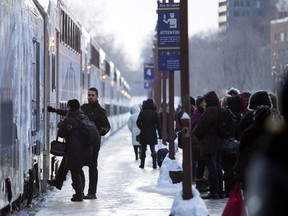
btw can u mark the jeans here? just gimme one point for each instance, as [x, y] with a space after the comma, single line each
[215, 175]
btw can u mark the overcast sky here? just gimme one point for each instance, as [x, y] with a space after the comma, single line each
[131, 23]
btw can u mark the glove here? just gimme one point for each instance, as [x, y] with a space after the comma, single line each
[102, 131]
[51, 109]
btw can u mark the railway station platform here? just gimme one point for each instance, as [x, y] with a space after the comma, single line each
[123, 188]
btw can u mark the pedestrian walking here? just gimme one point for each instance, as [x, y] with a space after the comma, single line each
[76, 153]
[97, 114]
[148, 122]
[135, 110]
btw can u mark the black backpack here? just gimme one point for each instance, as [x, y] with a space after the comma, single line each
[227, 123]
[89, 133]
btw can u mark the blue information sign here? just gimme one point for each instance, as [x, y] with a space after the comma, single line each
[147, 85]
[148, 71]
[168, 36]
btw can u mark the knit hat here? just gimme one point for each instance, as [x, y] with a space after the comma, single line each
[74, 104]
[259, 98]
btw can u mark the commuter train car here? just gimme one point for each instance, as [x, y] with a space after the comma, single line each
[46, 58]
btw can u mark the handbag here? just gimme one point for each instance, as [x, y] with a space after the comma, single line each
[235, 204]
[58, 148]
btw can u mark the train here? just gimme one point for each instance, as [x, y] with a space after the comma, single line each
[47, 58]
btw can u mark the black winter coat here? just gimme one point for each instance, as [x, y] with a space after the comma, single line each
[76, 154]
[205, 130]
[98, 115]
[148, 121]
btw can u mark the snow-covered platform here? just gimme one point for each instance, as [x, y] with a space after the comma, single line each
[123, 188]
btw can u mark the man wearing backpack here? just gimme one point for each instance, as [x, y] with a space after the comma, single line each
[211, 144]
[97, 114]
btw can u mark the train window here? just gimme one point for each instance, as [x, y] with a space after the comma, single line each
[72, 35]
[107, 108]
[78, 40]
[107, 68]
[62, 26]
[95, 57]
[70, 32]
[115, 111]
[115, 77]
[63, 106]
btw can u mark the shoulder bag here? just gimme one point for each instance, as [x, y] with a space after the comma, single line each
[58, 148]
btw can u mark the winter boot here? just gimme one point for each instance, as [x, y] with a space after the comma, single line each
[202, 185]
[55, 183]
[142, 163]
[78, 196]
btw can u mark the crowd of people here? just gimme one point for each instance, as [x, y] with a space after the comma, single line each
[260, 134]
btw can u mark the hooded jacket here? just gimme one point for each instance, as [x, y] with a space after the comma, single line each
[148, 121]
[257, 99]
[69, 129]
[205, 130]
[135, 110]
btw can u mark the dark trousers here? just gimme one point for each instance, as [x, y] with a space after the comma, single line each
[215, 176]
[78, 180]
[93, 171]
[198, 168]
[228, 163]
[144, 148]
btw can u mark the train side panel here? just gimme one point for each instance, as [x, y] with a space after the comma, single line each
[46, 58]
[22, 121]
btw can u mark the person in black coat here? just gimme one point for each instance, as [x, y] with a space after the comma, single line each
[97, 114]
[257, 99]
[211, 144]
[228, 158]
[148, 122]
[76, 153]
[251, 141]
[267, 188]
